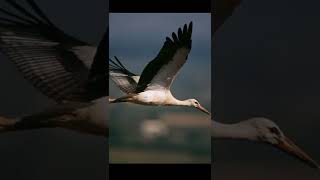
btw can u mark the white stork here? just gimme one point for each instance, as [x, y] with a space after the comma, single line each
[255, 129]
[65, 69]
[153, 86]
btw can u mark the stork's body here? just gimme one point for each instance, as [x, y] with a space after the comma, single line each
[152, 97]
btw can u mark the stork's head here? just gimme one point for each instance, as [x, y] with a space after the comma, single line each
[196, 104]
[268, 132]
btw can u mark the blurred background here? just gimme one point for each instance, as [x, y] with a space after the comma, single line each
[51, 153]
[266, 63]
[148, 134]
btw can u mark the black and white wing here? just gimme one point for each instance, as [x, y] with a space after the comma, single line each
[124, 79]
[54, 62]
[161, 71]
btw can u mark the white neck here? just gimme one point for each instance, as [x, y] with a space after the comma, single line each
[183, 103]
[232, 131]
[176, 102]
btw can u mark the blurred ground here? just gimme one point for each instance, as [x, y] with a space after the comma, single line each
[173, 138]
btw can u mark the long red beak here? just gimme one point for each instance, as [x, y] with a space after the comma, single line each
[291, 148]
[203, 109]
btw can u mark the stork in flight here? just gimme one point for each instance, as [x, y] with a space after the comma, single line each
[255, 129]
[65, 69]
[153, 86]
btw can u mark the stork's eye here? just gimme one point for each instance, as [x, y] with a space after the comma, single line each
[196, 103]
[274, 130]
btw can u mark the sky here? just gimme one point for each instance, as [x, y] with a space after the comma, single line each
[51, 153]
[266, 63]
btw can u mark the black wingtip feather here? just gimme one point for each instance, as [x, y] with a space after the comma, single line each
[119, 66]
[169, 40]
[22, 10]
[190, 28]
[175, 38]
[36, 8]
[7, 22]
[30, 19]
[180, 33]
[112, 64]
[24, 21]
[119, 62]
[185, 28]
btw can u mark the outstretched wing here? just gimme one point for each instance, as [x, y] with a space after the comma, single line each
[161, 71]
[124, 79]
[54, 62]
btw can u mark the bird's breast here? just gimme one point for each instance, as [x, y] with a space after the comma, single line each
[152, 97]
